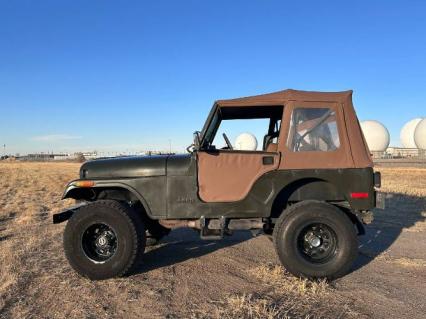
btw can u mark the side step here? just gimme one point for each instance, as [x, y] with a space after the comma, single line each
[217, 228]
[212, 229]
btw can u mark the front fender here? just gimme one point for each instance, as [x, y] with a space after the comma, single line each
[81, 189]
[69, 188]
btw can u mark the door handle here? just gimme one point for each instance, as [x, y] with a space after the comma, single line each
[268, 160]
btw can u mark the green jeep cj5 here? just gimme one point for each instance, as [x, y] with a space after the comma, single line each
[309, 184]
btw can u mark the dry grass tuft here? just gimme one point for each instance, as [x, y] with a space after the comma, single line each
[250, 306]
[410, 262]
[288, 283]
[406, 262]
[285, 296]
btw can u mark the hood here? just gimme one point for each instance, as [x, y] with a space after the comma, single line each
[119, 167]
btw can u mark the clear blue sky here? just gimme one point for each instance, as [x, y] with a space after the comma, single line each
[118, 75]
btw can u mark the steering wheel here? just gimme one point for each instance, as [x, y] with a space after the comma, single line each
[228, 142]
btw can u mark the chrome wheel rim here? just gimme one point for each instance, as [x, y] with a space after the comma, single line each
[99, 243]
[317, 243]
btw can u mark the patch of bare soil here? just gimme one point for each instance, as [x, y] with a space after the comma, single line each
[184, 277]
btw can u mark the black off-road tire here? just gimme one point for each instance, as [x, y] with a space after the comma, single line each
[290, 245]
[130, 241]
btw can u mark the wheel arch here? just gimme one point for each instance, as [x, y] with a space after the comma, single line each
[311, 188]
[314, 190]
[115, 191]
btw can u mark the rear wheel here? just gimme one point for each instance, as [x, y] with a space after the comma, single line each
[104, 239]
[315, 240]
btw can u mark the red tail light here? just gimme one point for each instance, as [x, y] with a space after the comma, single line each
[359, 195]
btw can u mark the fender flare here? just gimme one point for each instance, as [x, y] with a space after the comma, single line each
[296, 191]
[107, 184]
[289, 190]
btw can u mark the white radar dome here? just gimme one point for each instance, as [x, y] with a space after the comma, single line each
[407, 133]
[376, 135]
[246, 142]
[420, 134]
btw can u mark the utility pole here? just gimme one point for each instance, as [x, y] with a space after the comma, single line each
[170, 146]
[4, 149]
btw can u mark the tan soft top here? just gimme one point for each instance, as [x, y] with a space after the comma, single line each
[278, 98]
[354, 152]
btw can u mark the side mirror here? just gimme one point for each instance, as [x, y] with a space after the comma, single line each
[197, 140]
[196, 144]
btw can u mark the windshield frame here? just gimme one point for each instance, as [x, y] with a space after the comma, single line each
[210, 127]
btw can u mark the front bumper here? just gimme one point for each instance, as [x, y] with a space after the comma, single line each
[66, 214]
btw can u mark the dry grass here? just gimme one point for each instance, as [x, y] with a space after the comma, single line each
[410, 262]
[28, 193]
[36, 281]
[404, 261]
[407, 192]
[285, 296]
[404, 180]
[284, 282]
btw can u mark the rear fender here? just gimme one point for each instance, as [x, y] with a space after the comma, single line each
[314, 189]
[305, 189]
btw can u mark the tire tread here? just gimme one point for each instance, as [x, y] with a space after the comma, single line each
[137, 234]
[289, 212]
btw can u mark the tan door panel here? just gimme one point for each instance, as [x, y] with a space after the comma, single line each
[228, 176]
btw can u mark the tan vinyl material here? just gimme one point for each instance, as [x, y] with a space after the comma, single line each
[273, 147]
[353, 151]
[228, 176]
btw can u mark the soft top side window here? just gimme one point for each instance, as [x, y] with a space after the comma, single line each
[313, 129]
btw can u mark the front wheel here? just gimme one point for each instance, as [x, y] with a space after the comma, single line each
[104, 239]
[315, 240]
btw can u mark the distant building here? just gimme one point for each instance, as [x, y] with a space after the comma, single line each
[90, 155]
[61, 157]
[402, 152]
[45, 157]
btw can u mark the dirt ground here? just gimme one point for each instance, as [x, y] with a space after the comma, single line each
[185, 277]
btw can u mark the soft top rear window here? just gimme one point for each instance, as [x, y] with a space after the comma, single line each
[313, 129]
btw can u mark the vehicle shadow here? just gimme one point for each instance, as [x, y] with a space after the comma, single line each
[184, 244]
[402, 213]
